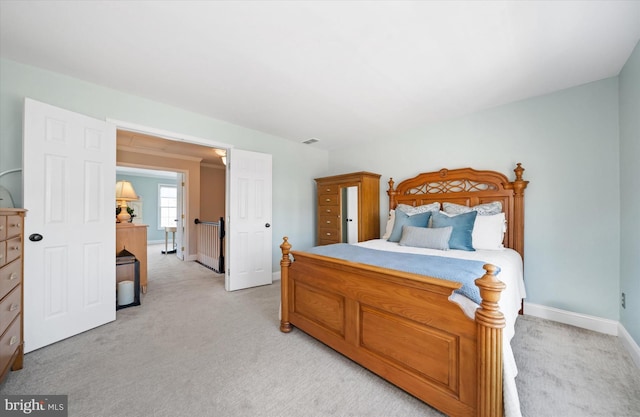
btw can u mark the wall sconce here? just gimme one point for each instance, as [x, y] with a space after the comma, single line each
[124, 193]
[222, 153]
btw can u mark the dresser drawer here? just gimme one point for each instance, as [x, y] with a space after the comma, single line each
[10, 307]
[329, 210]
[10, 276]
[328, 189]
[331, 241]
[329, 234]
[329, 222]
[9, 342]
[14, 226]
[14, 249]
[328, 200]
[3, 227]
[3, 253]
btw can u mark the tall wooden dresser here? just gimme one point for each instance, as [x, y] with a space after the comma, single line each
[11, 290]
[332, 201]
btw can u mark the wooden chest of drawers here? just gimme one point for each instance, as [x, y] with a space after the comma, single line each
[332, 207]
[11, 290]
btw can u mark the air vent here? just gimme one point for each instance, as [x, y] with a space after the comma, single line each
[310, 141]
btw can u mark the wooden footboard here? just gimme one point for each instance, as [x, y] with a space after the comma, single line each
[402, 327]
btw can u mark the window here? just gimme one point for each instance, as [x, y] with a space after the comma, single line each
[167, 205]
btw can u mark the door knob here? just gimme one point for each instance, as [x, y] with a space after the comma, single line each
[267, 225]
[36, 237]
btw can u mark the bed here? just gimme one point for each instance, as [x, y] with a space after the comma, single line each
[416, 331]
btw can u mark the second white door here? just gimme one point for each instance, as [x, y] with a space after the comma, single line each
[249, 236]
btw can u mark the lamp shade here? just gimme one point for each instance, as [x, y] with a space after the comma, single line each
[125, 191]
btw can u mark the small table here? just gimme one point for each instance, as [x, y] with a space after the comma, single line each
[168, 230]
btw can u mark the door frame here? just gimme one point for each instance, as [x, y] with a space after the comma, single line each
[182, 177]
[177, 137]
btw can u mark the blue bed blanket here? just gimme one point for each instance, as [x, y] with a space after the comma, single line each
[464, 271]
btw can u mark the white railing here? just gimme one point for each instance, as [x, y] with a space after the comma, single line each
[211, 244]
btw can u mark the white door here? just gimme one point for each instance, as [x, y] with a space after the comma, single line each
[69, 191]
[352, 214]
[180, 205]
[249, 220]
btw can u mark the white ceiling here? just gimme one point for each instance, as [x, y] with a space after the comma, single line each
[338, 71]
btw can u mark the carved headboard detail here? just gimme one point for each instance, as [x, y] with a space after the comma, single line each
[468, 187]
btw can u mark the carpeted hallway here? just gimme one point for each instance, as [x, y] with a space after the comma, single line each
[192, 349]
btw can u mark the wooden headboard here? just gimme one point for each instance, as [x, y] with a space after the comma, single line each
[468, 187]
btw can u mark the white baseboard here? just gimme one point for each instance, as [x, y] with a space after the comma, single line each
[275, 276]
[630, 344]
[584, 321]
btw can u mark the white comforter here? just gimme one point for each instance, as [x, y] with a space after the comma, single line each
[510, 264]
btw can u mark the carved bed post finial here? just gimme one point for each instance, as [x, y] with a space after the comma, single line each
[285, 262]
[519, 184]
[489, 322]
[392, 195]
[518, 170]
[286, 248]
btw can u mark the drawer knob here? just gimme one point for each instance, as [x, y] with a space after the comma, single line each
[14, 248]
[1, 226]
[328, 234]
[13, 340]
[327, 199]
[328, 221]
[13, 307]
[13, 276]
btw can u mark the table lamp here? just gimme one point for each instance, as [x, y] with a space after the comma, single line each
[124, 193]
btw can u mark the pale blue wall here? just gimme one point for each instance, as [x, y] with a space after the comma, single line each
[568, 143]
[294, 165]
[630, 195]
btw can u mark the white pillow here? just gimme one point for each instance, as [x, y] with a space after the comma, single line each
[486, 209]
[488, 232]
[411, 210]
[389, 228]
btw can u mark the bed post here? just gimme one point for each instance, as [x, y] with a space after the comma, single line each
[285, 262]
[518, 187]
[392, 195]
[490, 322]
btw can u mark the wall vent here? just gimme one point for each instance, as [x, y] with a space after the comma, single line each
[310, 141]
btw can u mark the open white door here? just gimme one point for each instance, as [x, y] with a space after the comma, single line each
[180, 226]
[248, 220]
[69, 177]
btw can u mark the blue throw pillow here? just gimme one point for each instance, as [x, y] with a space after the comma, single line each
[462, 228]
[403, 219]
